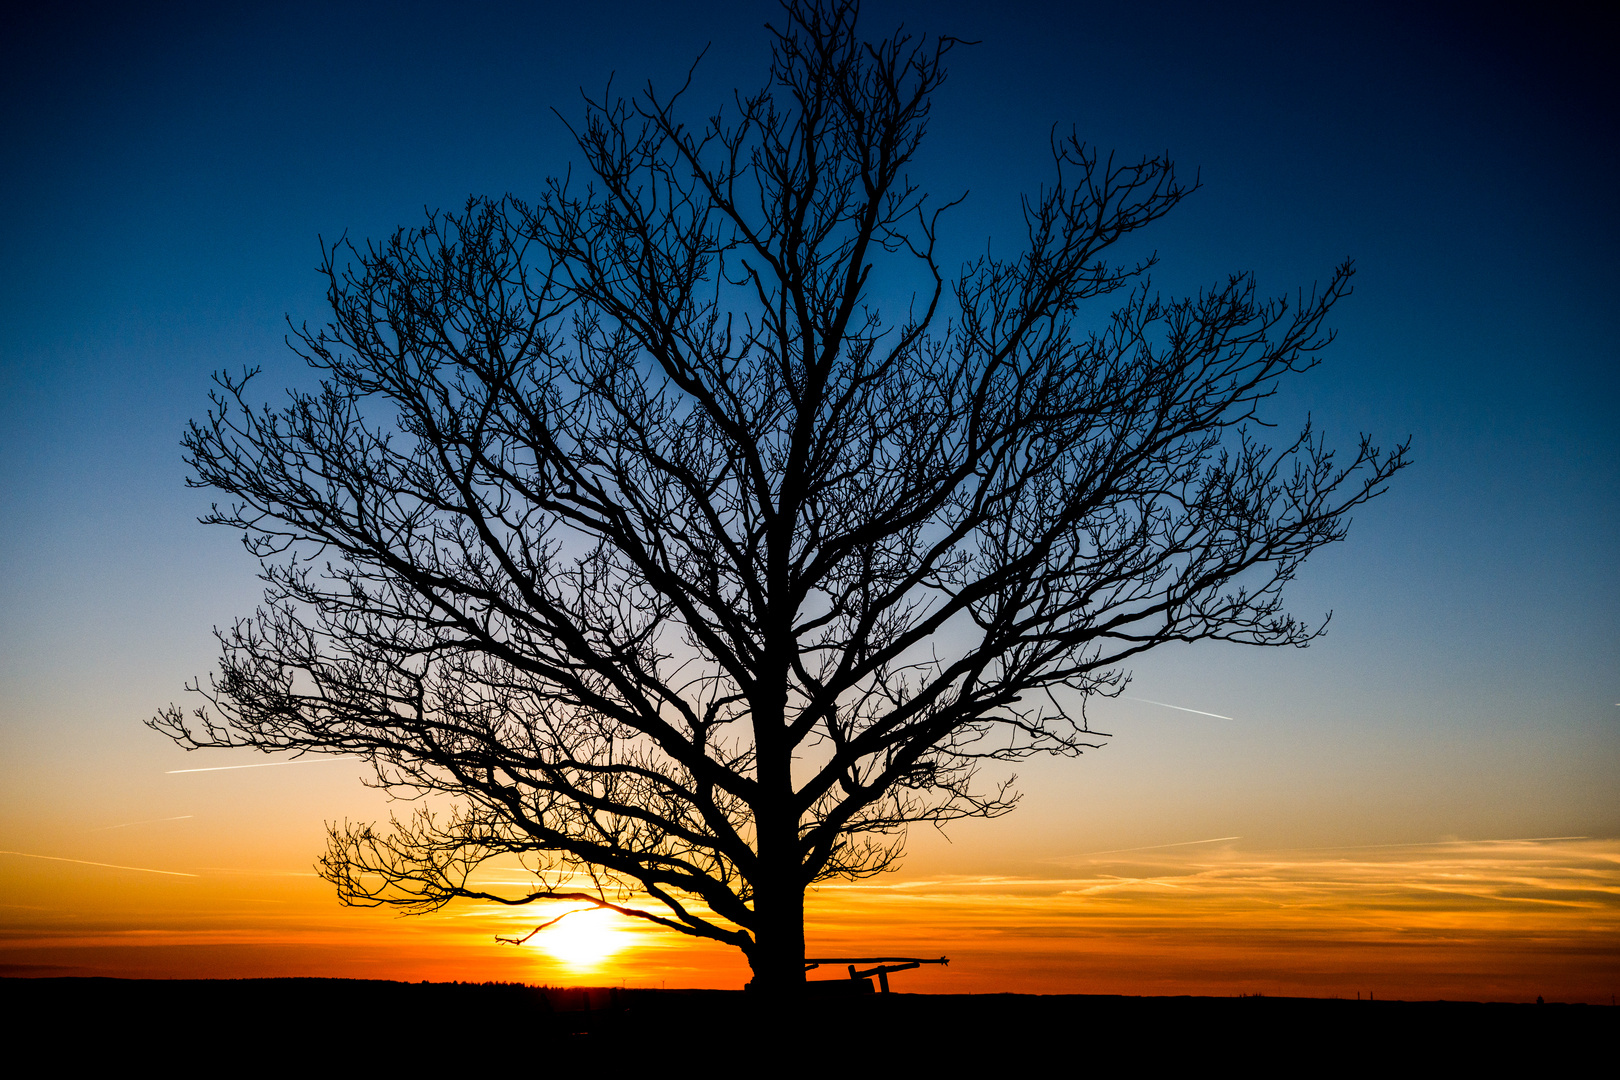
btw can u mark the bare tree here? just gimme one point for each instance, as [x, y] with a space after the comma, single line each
[626, 520]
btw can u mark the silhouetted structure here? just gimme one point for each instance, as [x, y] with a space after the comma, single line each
[884, 966]
[627, 520]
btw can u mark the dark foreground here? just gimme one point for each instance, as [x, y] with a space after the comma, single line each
[391, 1027]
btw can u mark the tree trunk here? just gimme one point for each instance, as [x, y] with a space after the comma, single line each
[778, 954]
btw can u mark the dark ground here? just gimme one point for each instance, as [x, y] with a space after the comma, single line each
[364, 1027]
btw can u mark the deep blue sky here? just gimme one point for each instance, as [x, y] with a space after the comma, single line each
[167, 171]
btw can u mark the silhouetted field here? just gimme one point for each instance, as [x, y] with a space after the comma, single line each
[364, 1026]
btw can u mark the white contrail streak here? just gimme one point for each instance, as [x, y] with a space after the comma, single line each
[1180, 708]
[148, 821]
[87, 862]
[262, 764]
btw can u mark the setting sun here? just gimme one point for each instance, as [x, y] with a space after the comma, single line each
[584, 939]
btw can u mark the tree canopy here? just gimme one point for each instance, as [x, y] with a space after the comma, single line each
[626, 518]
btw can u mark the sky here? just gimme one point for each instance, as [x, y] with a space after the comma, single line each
[1424, 803]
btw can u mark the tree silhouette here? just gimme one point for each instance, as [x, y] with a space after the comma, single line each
[627, 520]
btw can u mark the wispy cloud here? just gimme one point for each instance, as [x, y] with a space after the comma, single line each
[87, 862]
[257, 873]
[1515, 886]
[148, 821]
[1149, 847]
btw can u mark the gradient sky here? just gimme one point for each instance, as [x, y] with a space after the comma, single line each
[1427, 799]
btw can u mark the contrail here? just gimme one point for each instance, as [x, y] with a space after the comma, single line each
[87, 862]
[1180, 708]
[149, 821]
[262, 764]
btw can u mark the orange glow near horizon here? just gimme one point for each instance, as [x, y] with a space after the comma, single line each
[1482, 920]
